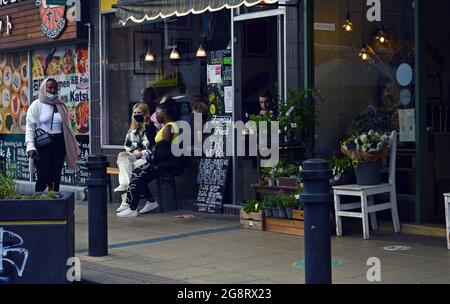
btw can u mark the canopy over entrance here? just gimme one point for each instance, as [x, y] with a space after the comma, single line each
[145, 10]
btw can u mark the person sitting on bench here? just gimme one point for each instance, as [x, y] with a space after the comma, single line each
[159, 162]
[136, 142]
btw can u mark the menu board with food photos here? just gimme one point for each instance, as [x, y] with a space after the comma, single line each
[15, 93]
[69, 67]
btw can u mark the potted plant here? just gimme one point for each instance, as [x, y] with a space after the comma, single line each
[264, 174]
[367, 151]
[267, 205]
[341, 168]
[290, 203]
[296, 114]
[279, 205]
[38, 232]
[289, 176]
[275, 173]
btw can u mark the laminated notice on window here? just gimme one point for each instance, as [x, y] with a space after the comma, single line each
[228, 99]
[407, 125]
[214, 73]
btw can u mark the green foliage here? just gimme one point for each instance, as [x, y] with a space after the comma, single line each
[251, 206]
[289, 201]
[267, 202]
[260, 118]
[265, 171]
[290, 170]
[340, 165]
[8, 189]
[278, 200]
[296, 112]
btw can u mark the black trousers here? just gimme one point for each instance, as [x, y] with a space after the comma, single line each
[50, 163]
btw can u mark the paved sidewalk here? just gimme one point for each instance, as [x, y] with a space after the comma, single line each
[164, 249]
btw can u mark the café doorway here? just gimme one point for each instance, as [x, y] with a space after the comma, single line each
[258, 65]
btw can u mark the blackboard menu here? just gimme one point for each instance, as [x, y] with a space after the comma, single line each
[13, 149]
[211, 182]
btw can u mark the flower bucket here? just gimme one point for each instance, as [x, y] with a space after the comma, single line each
[369, 173]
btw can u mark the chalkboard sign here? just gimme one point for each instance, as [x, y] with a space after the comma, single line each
[211, 181]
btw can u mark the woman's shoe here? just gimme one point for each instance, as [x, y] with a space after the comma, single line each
[149, 206]
[128, 213]
[123, 207]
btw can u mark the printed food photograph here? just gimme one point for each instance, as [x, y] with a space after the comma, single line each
[24, 99]
[37, 69]
[7, 76]
[16, 81]
[68, 62]
[82, 117]
[22, 120]
[6, 98]
[82, 59]
[8, 122]
[23, 69]
[15, 105]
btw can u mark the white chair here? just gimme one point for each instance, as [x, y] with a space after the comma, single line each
[366, 196]
[447, 217]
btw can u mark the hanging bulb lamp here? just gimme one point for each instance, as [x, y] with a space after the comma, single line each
[365, 53]
[348, 25]
[382, 37]
[149, 57]
[174, 55]
[201, 52]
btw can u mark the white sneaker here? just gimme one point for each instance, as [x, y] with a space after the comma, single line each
[128, 213]
[121, 188]
[149, 206]
[123, 206]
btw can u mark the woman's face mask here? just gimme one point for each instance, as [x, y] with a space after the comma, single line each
[139, 118]
[50, 96]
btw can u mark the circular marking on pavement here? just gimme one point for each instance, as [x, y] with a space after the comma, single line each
[396, 248]
[301, 263]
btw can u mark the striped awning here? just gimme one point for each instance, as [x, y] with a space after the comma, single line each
[145, 10]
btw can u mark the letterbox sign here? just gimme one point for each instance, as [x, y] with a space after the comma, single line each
[32, 23]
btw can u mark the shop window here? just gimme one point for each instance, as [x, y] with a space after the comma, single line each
[141, 57]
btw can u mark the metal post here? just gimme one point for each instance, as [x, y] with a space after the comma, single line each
[97, 205]
[317, 201]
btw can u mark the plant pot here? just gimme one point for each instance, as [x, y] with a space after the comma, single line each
[288, 181]
[282, 212]
[272, 181]
[289, 212]
[369, 173]
[268, 212]
[275, 212]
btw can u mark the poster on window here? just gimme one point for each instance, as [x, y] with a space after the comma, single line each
[14, 93]
[69, 67]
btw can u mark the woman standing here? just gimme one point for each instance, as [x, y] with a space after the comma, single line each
[49, 114]
[136, 141]
[163, 162]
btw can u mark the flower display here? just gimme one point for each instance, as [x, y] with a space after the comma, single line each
[370, 146]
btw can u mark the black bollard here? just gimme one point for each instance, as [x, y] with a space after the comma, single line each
[317, 201]
[97, 205]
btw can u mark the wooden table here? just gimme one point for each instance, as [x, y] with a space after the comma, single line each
[258, 189]
[447, 217]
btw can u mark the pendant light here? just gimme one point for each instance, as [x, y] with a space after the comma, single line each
[365, 53]
[382, 37]
[348, 25]
[201, 52]
[174, 55]
[149, 57]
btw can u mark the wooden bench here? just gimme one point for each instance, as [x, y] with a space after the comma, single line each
[166, 179]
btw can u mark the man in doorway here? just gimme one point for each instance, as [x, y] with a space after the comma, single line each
[266, 103]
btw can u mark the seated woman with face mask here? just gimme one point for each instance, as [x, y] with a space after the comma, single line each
[136, 142]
